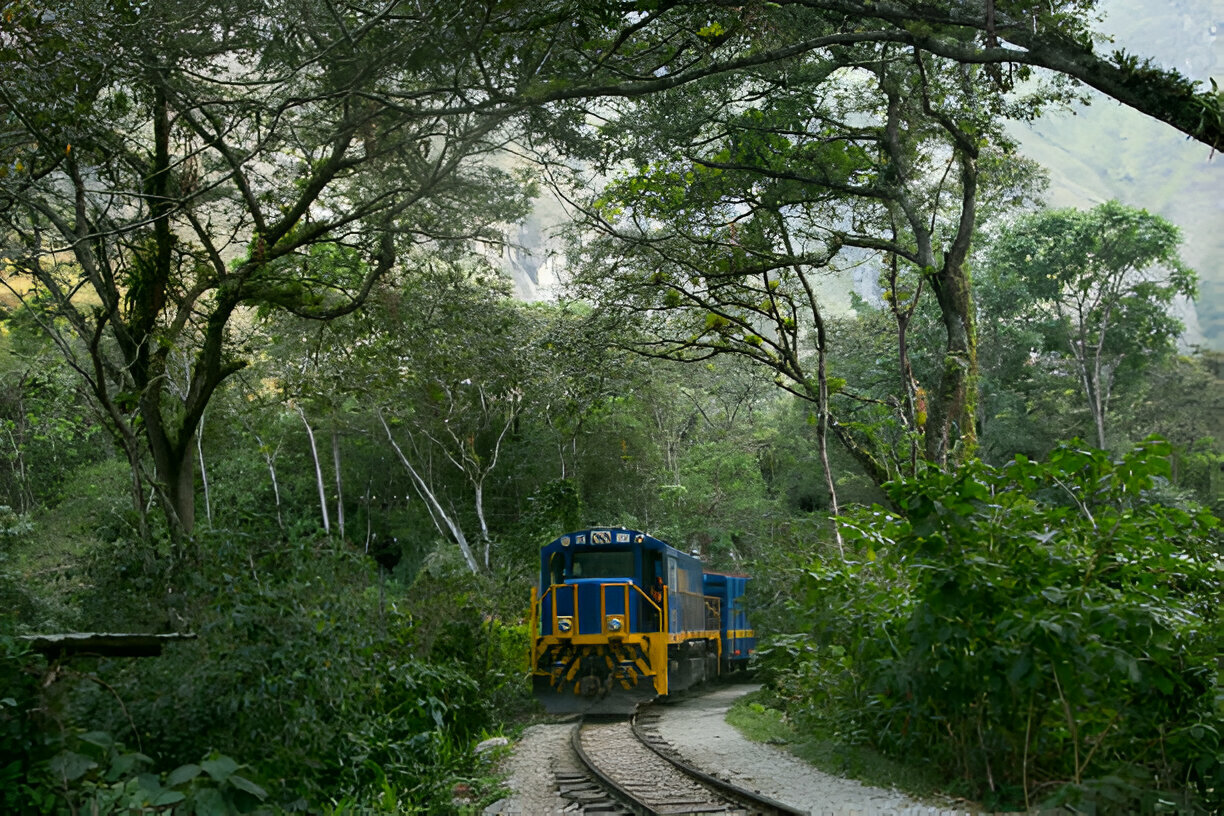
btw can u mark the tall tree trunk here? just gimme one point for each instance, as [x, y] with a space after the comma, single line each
[369, 536]
[953, 408]
[822, 435]
[913, 412]
[175, 491]
[438, 513]
[822, 388]
[915, 404]
[183, 494]
[485, 540]
[335, 440]
[314, 453]
[276, 486]
[1091, 382]
[951, 416]
[173, 461]
[173, 472]
[204, 472]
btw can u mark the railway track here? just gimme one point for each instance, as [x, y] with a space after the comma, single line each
[623, 766]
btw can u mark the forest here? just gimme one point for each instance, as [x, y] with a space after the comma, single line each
[266, 390]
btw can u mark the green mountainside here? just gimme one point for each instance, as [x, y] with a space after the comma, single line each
[1106, 151]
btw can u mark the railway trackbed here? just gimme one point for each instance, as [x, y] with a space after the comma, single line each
[623, 766]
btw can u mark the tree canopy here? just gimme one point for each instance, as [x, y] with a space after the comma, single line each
[1097, 287]
[170, 167]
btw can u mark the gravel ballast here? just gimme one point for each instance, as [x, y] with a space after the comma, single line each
[698, 729]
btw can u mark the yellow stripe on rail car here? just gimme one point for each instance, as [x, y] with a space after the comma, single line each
[680, 637]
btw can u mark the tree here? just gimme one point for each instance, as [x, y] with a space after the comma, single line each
[806, 170]
[439, 365]
[602, 50]
[1055, 36]
[682, 45]
[169, 167]
[46, 426]
[177, 163]
[1097, 286]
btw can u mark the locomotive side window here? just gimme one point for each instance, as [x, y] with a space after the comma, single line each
[653, 579]
[556, 567]
[603, 564]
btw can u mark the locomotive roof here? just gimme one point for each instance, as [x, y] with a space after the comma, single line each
[608, 537]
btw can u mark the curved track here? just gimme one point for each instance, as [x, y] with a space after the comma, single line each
[626, 768]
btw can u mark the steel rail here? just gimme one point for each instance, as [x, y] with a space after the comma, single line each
[751, 801]
[756, 802]
[619, 793]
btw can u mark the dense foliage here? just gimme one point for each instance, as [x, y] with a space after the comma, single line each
[331, 684]
[1047, 632]
[263, 383]
[358, 672]
[1095, 291]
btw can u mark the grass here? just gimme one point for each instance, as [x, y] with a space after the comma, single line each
[753, 717]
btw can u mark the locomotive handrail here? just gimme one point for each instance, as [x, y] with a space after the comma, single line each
[712, 606]
[659, 608]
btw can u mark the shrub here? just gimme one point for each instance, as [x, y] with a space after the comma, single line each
[307, 669]
[22, 746]
[1040, 630]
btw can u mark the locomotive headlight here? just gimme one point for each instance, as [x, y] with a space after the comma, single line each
[615, 624]
[565, 625]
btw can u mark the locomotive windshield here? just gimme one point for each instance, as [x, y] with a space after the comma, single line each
[603, 564]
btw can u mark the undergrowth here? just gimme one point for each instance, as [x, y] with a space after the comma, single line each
[1043, 634]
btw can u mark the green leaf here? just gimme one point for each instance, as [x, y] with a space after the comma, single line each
[98, 738]
[244, 784]
[70, 765]
[1019, 670]
[209, 802]
[168, 797]
[219, 768]
[122, 765]
[183, 773]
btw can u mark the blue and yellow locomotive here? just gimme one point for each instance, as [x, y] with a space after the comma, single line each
[621, 617]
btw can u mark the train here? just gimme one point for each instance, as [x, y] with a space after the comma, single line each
[620, 617]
